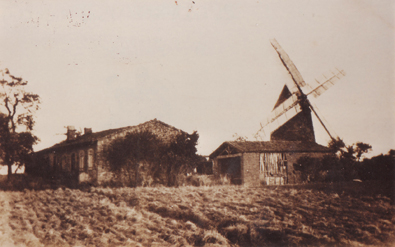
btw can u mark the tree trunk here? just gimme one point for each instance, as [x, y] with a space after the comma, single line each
[8, 161]
[9, 172]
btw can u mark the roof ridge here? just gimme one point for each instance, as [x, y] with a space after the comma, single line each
[94, 136]
[134, 126]
[273, 146]
[165, 124]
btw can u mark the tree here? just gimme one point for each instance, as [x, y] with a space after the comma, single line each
[380, 167]
[17, 122]
[337, 145]
[350, 152]
[349, 156]
[240, 138]
[181, 156]
[361, 148]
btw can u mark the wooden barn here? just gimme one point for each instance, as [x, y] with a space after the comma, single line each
[80, 159]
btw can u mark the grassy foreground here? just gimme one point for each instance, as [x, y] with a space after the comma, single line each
[195, 216]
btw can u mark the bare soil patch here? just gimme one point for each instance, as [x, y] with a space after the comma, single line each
[197, 216]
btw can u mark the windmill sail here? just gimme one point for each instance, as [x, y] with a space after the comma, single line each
[326, 82]
[290, 66]
[286, 110]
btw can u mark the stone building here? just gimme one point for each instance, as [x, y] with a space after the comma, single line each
[270, 162]
[80, 159]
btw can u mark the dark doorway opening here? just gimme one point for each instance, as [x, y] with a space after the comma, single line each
[231, 168]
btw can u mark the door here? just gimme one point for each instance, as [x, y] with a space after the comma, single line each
[273, 168]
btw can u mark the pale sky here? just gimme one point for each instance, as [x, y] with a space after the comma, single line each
[205, 65]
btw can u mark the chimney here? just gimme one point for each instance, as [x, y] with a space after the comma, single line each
[87, 131]
[71, 133]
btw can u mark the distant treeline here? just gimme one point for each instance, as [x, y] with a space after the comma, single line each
[334, 168]
[381, 167]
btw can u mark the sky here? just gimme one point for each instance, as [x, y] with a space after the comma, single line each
[201, 65]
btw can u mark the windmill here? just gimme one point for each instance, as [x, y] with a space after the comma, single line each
[291, 116]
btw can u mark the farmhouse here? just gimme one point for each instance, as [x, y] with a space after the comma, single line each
[80, 158]
[270, 162]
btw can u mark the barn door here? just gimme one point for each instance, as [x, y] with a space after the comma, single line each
[273, 168]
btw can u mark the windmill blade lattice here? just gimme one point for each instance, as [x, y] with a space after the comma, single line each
[285, 111]
[290, 66]
[326, 81]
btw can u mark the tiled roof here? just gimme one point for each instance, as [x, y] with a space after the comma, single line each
[93, 137]
[271, 146]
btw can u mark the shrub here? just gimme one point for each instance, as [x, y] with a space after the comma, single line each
[310, 169]
[381, 167]
[142, 159]
[330, 168]
[201, 180]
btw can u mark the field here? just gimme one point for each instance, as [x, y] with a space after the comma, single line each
[197, 216]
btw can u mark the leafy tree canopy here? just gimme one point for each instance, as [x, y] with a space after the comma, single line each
[337, 145]
[362, 148]
[16, 120]
[349, 152]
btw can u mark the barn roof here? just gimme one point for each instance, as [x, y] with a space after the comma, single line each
[92, 138]
[270, 146]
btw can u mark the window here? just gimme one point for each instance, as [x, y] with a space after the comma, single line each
[90, 159]
[82, 160]
[64, 163]
[68, 163]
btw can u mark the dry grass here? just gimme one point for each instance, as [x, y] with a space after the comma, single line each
[195, 216]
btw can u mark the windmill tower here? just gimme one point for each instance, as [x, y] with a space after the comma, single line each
[291, 119]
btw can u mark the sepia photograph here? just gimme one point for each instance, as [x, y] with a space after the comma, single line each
[197, 123]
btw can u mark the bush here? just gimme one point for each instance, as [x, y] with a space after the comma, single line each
[381, 167]
[310, 169]
[329, 169]
[142, 159]
[201, 180]
[20, 182]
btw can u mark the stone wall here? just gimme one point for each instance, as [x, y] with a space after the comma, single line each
[250, 169]
[71, 164]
